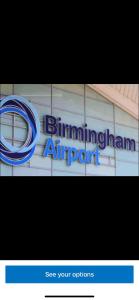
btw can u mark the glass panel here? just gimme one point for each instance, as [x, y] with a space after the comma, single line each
[68, 97]
[40, 162]
[126, 169]
[22, 171]
[37, 93]
[128, 132]
[6, 131]
[6, 89]
[124, 155]
[98, 109]
[122, 117]
[62, 173]
[100, 170]
[5, 170]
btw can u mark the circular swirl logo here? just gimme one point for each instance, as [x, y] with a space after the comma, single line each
[19, 105]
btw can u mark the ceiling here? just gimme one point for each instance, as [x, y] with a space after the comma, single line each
[126, 96]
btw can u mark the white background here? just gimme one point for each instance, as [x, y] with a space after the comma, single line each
[38, 291]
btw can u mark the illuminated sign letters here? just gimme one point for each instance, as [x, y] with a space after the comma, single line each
[54, 126]
[71, 154]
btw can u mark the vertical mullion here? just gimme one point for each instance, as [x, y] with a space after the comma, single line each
[0, 126]
[138, 129]
[114, 135]
[13, 125]
[85, 116]
[51, 134]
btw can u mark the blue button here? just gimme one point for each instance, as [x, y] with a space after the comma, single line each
[69, 274]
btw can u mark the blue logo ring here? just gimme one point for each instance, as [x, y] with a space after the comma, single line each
[19, 105]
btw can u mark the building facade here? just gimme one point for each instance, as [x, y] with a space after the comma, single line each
[100, 107]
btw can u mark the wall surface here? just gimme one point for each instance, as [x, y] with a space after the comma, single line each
[76, 104]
